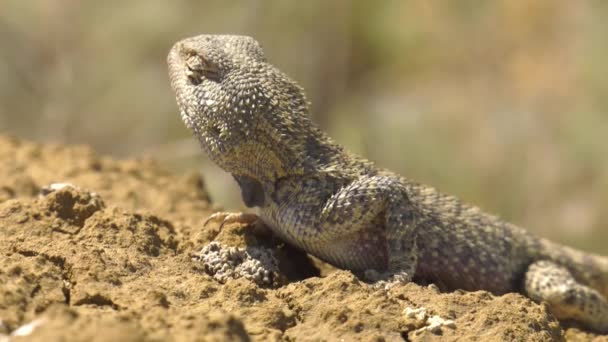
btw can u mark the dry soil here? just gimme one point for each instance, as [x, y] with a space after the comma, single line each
[111, 259]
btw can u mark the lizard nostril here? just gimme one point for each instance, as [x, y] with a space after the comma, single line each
[200, 68]
[195, 78]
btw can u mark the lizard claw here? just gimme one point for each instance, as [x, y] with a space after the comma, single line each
[226, 217]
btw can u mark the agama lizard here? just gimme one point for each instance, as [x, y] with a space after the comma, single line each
[253, 121]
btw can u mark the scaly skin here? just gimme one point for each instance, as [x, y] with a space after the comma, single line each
[253, 121]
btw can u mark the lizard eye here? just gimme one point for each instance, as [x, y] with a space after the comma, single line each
[200, 68]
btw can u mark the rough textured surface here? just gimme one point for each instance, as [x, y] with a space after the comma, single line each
[253, 121]
[223, 263]
[124, 266]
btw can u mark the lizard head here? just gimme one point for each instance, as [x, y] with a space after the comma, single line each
[243, 110]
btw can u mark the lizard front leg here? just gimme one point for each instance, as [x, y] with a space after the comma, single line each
[385, 196]
[252, 194]
[368, 205]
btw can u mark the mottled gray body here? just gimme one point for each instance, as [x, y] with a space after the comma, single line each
[252, 120]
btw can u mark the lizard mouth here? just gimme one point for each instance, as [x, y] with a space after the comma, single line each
[175, 63]
[177, 74]
[181, 78]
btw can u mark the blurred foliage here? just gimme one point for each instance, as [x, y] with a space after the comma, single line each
[502, 103]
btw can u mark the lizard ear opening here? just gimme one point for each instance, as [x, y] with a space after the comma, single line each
[200, 68]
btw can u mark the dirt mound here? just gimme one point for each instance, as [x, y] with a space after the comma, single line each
[99, 249]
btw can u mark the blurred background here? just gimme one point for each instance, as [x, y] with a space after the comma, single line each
[502, 103]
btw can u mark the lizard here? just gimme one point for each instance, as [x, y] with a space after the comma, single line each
[253, 121]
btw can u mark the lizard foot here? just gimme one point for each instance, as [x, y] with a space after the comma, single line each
[226, 217]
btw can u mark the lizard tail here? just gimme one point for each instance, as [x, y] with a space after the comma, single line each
[590, 269]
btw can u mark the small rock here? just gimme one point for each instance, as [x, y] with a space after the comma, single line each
[224, 263]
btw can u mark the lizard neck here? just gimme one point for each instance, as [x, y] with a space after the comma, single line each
[308, 153]
[283, 144]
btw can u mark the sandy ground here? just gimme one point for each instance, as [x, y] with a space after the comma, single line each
[117, 257]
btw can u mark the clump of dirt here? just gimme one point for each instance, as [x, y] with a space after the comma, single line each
[97, 249]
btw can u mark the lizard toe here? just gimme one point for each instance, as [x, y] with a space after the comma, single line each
[226, 217]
